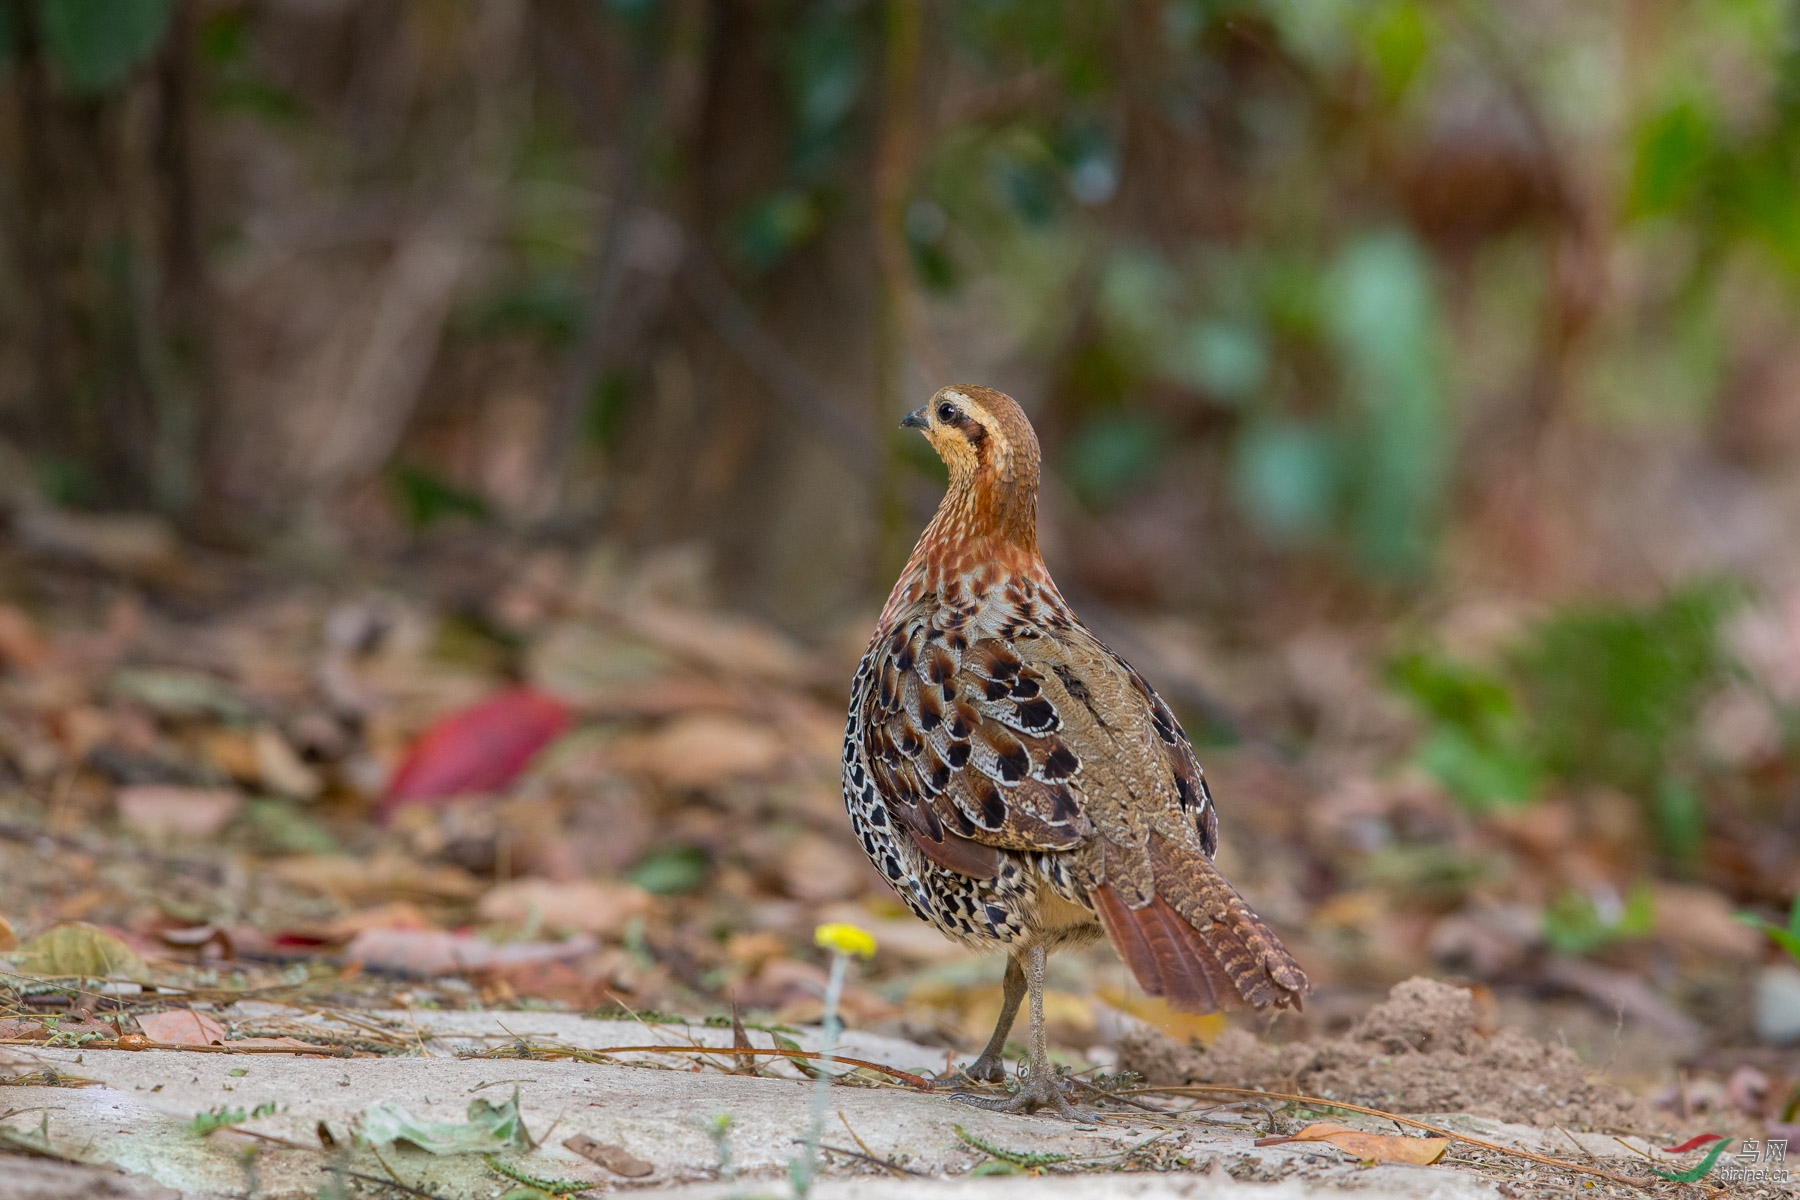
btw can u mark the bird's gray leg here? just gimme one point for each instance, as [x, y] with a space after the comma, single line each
[1038, 1089]
[990, 1066]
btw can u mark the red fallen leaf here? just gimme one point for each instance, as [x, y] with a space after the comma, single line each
[1694, 1143]
[482, 748]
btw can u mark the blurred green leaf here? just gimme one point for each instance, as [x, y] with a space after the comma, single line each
[1680, 814]
[283, 827]
[674, 871]
[1479, 774]
[1476, 745]
[1674, 151]
[1575, 923]
[95, 44]
[1111, 456]
[428, 497]
[1286, 476]
[1788, 937]
[607, 407]
[1226, 359]
[1399, 35]
[1425, 875]
[780, 223]
[547, 307]
[825, 68]
[1615, 692]
[1384, 316]
[1137, 292]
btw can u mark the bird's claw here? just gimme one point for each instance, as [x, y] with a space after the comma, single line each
[1038, 1090]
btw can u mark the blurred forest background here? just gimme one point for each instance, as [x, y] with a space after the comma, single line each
[1418, 382]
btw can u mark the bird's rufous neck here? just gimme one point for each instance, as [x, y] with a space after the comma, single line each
[985, 531]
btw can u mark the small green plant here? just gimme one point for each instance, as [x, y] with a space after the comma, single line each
[549, 1187]
[1576, 923]
[215, 1119]
[1476, 745]
[718, 1128]
[1593, 695]
[1026, 1159]
[1787, 938]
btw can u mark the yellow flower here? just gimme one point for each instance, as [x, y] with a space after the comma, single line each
[845, 939]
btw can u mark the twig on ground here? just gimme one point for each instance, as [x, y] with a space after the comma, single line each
[871, 1159]
[918, 1082]
[1319, 1101]
[380, 1182]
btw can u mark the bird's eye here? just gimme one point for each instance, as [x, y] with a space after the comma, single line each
[946, 413]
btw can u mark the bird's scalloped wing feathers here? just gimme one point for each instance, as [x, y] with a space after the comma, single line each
[962, 740]
[1141, 770]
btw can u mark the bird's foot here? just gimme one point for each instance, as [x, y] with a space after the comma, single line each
[1039, 1089]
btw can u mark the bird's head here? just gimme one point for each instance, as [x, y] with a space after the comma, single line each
[978, 431]
[987, 443]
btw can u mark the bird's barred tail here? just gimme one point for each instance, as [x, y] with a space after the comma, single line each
[1195, 942]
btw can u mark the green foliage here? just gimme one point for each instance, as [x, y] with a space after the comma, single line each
[214, 1119]
[1615, 692]
[1787, 938]
[283, 827]
[674, 871]
[1594, 694]
[489, 1127]
[544, 306]
[1111, 456]
[548, 1187]
[427, 498]
[95, 44]
[1028, 1159]
[1383, 316]
[607, 407]
[775, 226]
[1476, 744]
[1426, 875]
[1287, 474]
[1575, 924]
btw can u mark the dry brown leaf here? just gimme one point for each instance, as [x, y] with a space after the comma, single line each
[616, 1159]
[162, 812]
[1703, 921]
[727, 644]
[437, 952]
[702, 750]
[364, 881]
[21, 647]
[182, 1027]
[584, 906]
[397, 914]
[1369, 1147]
[817, 869]
[281, 770]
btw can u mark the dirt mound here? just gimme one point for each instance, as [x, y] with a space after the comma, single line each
[1417, 1051]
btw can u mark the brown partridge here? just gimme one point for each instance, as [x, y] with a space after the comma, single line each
[1016, 782]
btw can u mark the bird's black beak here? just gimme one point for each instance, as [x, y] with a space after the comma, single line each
[914, 420]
